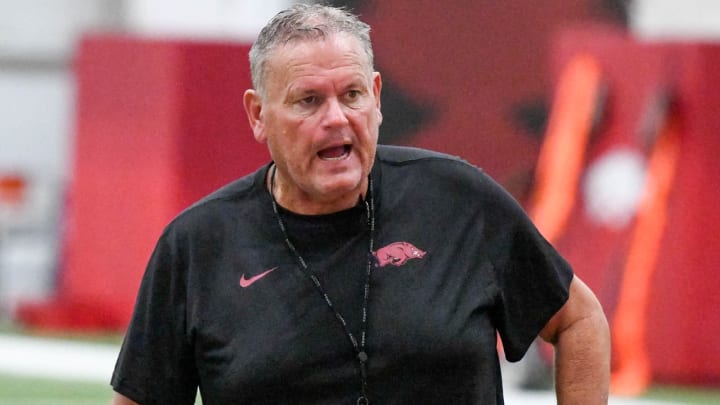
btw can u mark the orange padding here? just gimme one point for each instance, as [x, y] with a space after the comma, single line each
[632, 374]
[561, 157]
[12, 188]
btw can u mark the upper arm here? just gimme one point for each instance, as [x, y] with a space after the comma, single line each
[581, 307]
[119, 399]
[580, 334]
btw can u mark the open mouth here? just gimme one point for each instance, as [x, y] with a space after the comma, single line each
[335, 152]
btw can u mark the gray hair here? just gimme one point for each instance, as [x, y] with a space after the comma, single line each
[305, 22]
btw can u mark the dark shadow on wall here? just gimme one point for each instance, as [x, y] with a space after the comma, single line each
[403, 115]
[472, 78]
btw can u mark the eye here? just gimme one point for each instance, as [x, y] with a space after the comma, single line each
[353, 97]
[309, 100]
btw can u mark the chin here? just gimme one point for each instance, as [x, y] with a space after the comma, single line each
[339, 185]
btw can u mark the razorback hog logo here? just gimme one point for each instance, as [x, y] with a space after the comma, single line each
[397, 254]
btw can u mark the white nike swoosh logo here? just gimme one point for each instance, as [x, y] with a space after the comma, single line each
[247, 282]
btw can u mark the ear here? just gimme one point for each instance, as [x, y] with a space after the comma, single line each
[253, 108]
[377, 87]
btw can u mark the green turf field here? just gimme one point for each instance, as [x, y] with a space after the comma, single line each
[32, 391]
[35, 391]
[685, 395]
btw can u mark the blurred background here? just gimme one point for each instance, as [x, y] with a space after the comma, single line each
[600, 116]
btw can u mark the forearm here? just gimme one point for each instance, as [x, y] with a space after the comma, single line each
[582, 362]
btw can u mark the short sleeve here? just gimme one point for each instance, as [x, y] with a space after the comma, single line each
[533, 279]
[156, 365]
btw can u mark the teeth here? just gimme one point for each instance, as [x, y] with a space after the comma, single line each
[341, 157]
[336, 153]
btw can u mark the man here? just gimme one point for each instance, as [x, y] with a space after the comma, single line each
[346, 272]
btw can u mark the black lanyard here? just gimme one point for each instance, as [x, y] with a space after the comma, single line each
[359, 347]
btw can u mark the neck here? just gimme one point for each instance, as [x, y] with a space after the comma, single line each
[304, 204]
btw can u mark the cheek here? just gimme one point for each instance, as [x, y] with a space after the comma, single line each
[368, 126]
[362, 118]
[291, 146]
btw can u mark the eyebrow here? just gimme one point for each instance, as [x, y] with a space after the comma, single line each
[355, 81]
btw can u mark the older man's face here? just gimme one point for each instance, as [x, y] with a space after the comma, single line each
[320, 118]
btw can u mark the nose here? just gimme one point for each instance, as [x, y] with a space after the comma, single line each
[334, 113]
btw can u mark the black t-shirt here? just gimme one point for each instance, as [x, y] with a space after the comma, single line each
[223, 304]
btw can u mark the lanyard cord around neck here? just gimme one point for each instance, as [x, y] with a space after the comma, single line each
[359, 347]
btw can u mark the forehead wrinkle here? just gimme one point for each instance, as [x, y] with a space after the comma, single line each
[351, 48]
[310, 69]
[296, 68]
[313, 83]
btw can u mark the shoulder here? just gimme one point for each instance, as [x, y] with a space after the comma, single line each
[219, 207]
[423, 174]
[432, 168]
[401, 155]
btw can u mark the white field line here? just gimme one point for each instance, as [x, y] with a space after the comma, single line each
[57, 359]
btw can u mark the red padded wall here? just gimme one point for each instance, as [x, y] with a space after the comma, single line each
[684, 312]
[472, 63]
[681, 321]
[159, 124]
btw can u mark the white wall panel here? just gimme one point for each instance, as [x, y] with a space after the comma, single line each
[238, 19]
[676, 19]
[42, 29]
